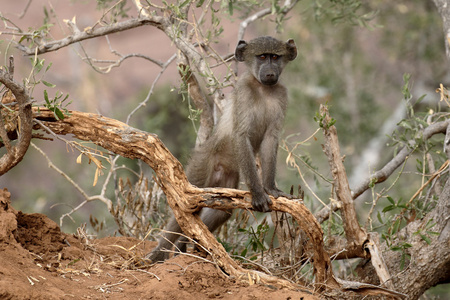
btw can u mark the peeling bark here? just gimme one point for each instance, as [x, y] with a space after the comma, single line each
[356, 236]
[430, 263]
[15, 153]
[184, 198]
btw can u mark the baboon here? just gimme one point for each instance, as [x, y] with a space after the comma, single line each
[250, 126]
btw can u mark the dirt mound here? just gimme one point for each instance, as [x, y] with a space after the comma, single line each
[38, 261]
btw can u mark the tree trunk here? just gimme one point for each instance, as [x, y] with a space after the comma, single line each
[444, 10]
[430, 263]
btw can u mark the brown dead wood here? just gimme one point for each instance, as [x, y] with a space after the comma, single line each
[184, 198]
[23, 121]
[356, 236]
[358, 242]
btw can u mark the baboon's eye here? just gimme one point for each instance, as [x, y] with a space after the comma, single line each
[275, 57]
[262, 57]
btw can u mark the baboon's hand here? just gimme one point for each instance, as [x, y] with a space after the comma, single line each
[261, 202]
[279, 193]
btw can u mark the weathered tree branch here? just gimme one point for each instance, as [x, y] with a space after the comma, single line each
[429, 262]
[358, 241]
[287, 6]
[16, 152]
[356, 236]
[183, 198]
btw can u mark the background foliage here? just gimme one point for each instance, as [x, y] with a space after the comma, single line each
[352, 56]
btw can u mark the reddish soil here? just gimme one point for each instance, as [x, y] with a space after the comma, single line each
[38, 261]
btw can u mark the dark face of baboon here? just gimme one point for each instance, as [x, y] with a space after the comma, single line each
[266, 57]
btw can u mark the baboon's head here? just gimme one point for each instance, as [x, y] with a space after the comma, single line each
[266, 57]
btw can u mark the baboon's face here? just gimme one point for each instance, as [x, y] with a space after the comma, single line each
[267, 68]
[266, 57]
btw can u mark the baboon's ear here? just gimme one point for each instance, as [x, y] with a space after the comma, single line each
[240, 49]
[291, 49]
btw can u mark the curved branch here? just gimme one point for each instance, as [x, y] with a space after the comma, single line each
[183, 198]
[15, 153]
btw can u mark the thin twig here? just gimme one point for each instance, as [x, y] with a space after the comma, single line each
[150, 92]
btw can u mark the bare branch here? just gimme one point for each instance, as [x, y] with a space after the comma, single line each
[447, 141]
[184, 198]
[143, 103]
[356, 236]
[287, 6]
[89, 33]
[22, 14]
[444, 11]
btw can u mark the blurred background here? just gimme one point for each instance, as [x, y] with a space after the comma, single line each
[356, 67]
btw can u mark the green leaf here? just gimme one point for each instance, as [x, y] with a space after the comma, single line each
[388, 208]
[48, 84]
[46, 97]
[59, 114]
[74, 261]
[396, 226]
[396, 248]
[24, 37]
[379, 218]
[48, 67]
[421, 98]
[402, 261]
[425, 238]
[230, 7]
[200, 3]
[184, 3]
[404, 124]
[391, 200]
